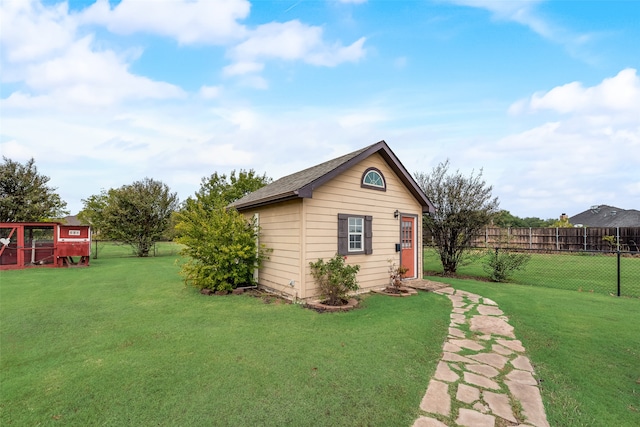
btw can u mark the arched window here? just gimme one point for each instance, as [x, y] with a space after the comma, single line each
[373, 178]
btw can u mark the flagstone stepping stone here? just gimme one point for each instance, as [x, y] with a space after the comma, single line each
[468, 344]
[493, 359]
[447, 290]
[531, 401]
[452, 357]
[486, 370]
[458, 318]
[457, 301]
[491, 325]
[478, 406]
[499, 405]
[522, 363]
[467, 394]
[473, 297]
[470, 418]
[444, 373]
[456, 332]
[459, 310]
[436, 400]
[521, 377]
[480, 381]
[489, 310]
[451, 348]
[514, 345]
[497, 348]
[428, 422]
[488, 301]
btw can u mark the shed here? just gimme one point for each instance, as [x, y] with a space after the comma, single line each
[364, 205]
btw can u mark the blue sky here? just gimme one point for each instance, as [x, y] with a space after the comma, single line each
[543, 96]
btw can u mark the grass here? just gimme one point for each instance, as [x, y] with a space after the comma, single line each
[578, 272]
[585, 348]
[124, 343]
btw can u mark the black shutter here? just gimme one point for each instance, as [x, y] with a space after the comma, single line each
[368, 235]
[343, 234]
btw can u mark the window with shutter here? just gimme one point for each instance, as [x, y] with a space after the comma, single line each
[355, 234]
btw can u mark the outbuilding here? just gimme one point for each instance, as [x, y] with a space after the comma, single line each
[364, 205]
[47, 244]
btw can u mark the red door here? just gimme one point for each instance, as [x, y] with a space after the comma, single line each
[408, 254]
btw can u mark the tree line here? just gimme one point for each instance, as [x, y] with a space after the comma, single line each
[220, 243]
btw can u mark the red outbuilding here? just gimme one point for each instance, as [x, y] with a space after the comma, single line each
[50, 244]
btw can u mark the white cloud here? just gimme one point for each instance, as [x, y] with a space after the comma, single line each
[53, 67]
[290, 41]
[82, 76]
[633, 188]
[582, 155]
[209, 92]
[15, 151]
[524, 13]
[188, 21]
[240, 68]
[619, 93]
[32, 31]
[521, 11]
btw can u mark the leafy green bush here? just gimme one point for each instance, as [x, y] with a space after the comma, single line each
[222, 248]
[335, 278]
[500, 264]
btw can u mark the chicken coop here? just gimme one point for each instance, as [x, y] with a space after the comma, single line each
[45, 244]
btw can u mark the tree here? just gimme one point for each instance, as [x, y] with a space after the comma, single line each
[563, 222]
[537, 222]
[221, 190]
[92, 212]
[221, 244]
[24, 194]
[463, 207]
[136, 214]
[505, 219]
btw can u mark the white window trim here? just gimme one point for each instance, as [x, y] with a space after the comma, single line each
[358, 221]
[378, 187]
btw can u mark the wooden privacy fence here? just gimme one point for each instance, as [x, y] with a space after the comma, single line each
[601, 239]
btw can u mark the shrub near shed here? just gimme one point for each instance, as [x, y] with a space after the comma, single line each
[221, 246]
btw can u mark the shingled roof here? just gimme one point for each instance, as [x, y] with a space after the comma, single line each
[301, 184]
[607, 216]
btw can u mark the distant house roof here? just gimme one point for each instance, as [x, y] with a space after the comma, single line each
[71, 220]
[301, 184]
[607, 216]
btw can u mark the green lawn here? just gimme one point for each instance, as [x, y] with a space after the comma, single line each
[585, 347]
[579, 272]
[124, 343]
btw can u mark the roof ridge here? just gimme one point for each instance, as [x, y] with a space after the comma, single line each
[302, 183]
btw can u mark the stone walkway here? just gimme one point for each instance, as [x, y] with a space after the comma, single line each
[484, 378]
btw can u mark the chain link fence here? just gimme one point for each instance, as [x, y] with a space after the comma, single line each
[606, 272]
[112, 249]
